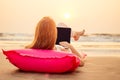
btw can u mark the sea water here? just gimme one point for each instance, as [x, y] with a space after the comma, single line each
[90, 43]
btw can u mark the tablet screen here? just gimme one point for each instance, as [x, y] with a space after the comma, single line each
[63, 34]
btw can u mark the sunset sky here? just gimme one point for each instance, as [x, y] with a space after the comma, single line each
[95, 16]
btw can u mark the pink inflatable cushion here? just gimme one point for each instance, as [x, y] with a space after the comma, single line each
[42, 60]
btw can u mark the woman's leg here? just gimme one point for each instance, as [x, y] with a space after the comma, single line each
[74, 34]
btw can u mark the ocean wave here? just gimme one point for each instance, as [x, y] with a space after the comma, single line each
[96, 37]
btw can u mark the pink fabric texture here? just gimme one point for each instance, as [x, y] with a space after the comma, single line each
[36, 60]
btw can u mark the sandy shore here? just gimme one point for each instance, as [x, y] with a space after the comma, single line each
[90, 48]
[96, 68]
[102, 63]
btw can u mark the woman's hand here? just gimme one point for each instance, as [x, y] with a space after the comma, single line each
[65, 44]
[74, 51]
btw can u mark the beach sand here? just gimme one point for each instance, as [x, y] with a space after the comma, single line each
[100, 64]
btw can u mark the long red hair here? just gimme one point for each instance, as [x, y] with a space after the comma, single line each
[45, 34]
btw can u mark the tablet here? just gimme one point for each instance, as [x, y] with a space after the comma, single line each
[63, 34]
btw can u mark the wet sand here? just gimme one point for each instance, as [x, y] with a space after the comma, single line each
[96, 68]
[102, 63]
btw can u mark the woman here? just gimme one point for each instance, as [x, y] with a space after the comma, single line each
[46, 35]
[75, 34]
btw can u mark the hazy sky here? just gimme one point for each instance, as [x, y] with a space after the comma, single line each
[96, 16]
